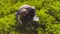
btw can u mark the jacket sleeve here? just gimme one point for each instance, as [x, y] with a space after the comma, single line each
[17, 17]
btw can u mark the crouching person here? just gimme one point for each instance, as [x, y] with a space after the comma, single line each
[27, 17]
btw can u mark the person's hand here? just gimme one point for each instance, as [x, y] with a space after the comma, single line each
[35, 18]
[20, 22]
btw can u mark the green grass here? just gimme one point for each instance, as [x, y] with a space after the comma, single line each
[47, 10]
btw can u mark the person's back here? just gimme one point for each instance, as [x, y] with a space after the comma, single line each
[27, 17]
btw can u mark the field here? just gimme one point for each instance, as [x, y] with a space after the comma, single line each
[47, 10]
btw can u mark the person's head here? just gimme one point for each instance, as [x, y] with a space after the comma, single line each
[24, 12]
[26, 9]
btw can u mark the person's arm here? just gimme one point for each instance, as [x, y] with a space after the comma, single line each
[18, 19]
[35, 18]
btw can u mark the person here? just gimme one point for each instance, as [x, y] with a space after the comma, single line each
[27, 12]
[28, 16]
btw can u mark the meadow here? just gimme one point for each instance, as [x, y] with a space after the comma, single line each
[47, 10]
